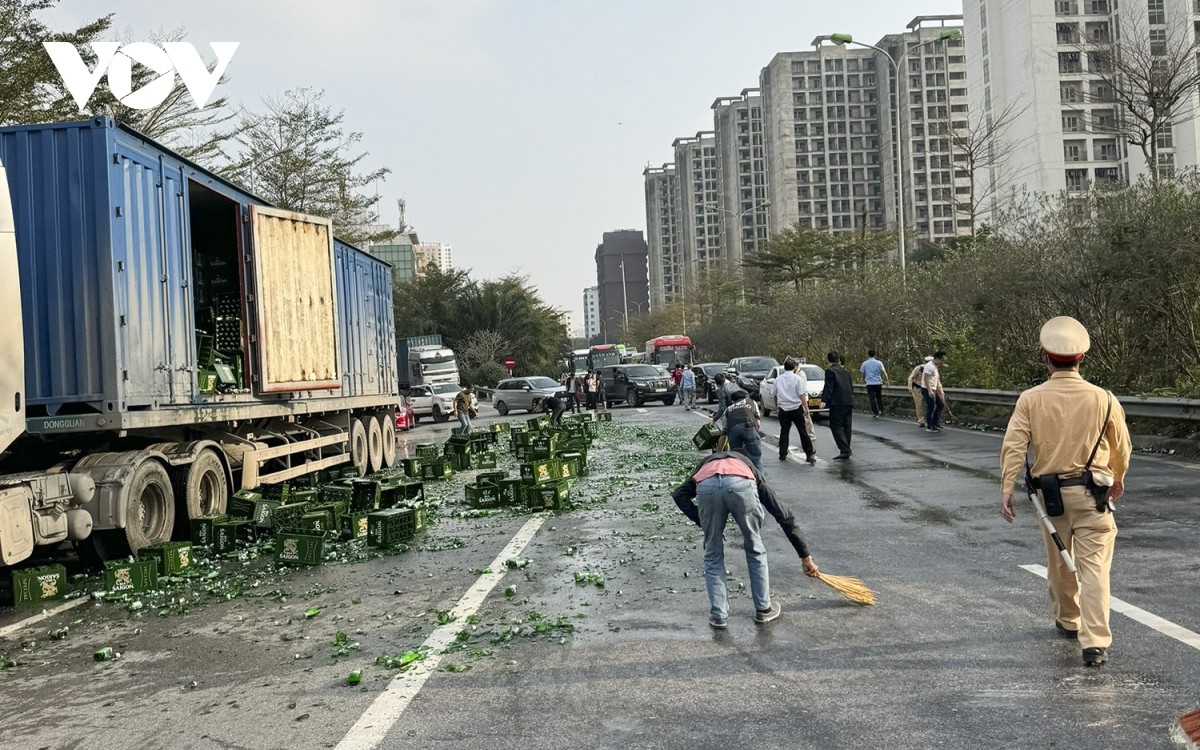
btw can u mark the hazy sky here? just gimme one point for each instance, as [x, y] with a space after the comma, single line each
[516, 130]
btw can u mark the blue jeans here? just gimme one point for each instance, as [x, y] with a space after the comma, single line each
[719, 497]
[746, 437]
[464, 422]
[933, 409]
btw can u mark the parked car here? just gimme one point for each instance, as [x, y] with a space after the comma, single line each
[435, 401]
[525, 393]
[636, 384]
[705, 372]
[816, 383]
[405, 418]
[748, 372]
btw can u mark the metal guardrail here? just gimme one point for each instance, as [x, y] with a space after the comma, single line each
[1134, 406]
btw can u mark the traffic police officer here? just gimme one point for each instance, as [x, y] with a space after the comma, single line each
[1066, 419]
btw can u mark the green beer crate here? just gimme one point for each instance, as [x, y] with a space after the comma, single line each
[460, 461]
[411, 467]
[365, 494]
[538, 423]
[299, 548]
[288, 516]
[510, 491]
[262, 513]
[420, 515]
[482, 495]
[604, 416]
[491, 477]
[318, 522]
[243, 502]
[436, 469]
[591, 429]
[707, 437]
[498, 427]
[172, 557]
[37, 585]
[282, 492]
[524, 438]
[484, 460]
[551, 496]
[428, 452]
[202, 530]
[312, 480]
[306, 495]
[339, 490]
[540, 472]
[124, 577]
[411, 490]
[574, 462]
[355, 526]
[348, 472]
[225, 534]
[386, 528]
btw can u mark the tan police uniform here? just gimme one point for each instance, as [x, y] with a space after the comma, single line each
[914, 387]
[1062, 418]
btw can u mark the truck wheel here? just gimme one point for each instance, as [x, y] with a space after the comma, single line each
[633, 399]
[201, 490]
[374, 443]
[502, 408]
[389, 440]
[150, 514]
[358, 445]
[439, 415]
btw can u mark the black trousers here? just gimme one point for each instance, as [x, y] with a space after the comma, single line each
[875, 396]
[786, 420]
[572, 405]
[556, 417]
[840, 419]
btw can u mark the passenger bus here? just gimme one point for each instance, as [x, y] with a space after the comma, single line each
[603, 355]
[670, 351]
[577, 361]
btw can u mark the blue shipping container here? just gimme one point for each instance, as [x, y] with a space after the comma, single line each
[141, 277]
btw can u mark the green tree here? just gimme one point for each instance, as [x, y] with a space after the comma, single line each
[796, 255]
[298, 156]
[31, 89]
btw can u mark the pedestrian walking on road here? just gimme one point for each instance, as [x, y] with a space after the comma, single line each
[463, 409]
[874, 375]
[677, 376]
[688, 383]
[568, 383]
[914, 387]
[742, 425]
[931, 390]
[839, 397]
[791, 393]
[727, 484]
[579, 385]
[1081, 453]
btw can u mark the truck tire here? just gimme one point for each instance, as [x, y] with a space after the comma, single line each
[201, 490]
[633, 399]
[502, 408]
[150, 514]
[358, 445]
[389, 440]
[374, 443]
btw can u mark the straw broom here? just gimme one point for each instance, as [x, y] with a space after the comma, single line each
[851, 588]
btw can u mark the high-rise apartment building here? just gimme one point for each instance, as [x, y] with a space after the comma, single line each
[401, 258]
[662, 230]
[621, 280]
[741, 174]
[698, 221]
[591, 312]
[1040, 67]
[928, 106]
[437, 253]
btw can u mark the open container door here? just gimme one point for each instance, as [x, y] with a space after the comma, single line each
[12, 341]
[296, 301]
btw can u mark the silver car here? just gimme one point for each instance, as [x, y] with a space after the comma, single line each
[525, 393]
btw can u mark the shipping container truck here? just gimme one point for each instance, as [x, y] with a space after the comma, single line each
[169, 338]
[425, 360]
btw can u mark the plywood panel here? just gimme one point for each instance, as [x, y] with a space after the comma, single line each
[297, 303]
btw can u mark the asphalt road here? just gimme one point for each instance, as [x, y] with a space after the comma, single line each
[604, 641]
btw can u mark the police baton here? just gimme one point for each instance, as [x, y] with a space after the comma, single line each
[1044, 517]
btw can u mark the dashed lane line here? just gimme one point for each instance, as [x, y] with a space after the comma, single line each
[1150, 620]
[45, 615]
[373, 726]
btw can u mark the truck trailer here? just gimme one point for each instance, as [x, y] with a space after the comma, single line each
[168, 337]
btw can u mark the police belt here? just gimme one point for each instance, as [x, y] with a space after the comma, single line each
[1078, 481]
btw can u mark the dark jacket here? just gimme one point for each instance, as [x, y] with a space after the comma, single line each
[724, 399]
[685, 497]
[839, 389]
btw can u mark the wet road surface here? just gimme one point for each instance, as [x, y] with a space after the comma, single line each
[603, 641]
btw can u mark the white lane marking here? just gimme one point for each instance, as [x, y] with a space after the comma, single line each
[379, 718]
[1166, 627]
[643, 411]
[46, 615]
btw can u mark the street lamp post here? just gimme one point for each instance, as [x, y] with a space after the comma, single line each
[843, 39]
[624, 294]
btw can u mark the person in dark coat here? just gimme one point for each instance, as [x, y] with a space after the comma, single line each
[838, 395]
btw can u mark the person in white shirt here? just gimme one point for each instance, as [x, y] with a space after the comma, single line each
[914, 387]
[931, 389]
[791, 392]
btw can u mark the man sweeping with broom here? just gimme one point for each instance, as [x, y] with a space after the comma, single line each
[727, 484]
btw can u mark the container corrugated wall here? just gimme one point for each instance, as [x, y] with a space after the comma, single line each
[365, 316]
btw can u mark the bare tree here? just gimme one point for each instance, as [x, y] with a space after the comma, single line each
[980, 143]
[1150, 75]
[484, 345]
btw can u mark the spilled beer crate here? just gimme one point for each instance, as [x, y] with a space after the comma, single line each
[483, 460]
[299, 547]
[428, 452]
[355, 526]
[511, 491]
[202, 530]
[225, 534]
[549, 496]
[172, 557]
[37, 585]
[387, 528]
[706, 437]
[288, 516]
[491, 477]
[339, 490]
[483, 495]
[436, 469]
[126, 577]
[540, 472]
[411, 467]
[576, 463]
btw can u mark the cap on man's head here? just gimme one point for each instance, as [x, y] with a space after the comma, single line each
[929, 358]
[1065, 339]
